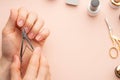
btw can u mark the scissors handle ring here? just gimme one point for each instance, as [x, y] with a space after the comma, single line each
[111, 54]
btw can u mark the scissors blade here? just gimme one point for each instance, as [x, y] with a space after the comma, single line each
[21, 50]
[108, 25]
[110, 31]
[26, 38]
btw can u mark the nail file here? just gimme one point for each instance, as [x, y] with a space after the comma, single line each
[72, 2]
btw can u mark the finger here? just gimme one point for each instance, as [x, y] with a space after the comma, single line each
[33, 65]
[15, 69]
[22, 15]
[35, 29]
[42, 36]
[48, 77]
[43, 69]
[11, 23]
[25, 60]
[31, 19]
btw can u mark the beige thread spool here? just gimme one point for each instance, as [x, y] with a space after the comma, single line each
[115, 3]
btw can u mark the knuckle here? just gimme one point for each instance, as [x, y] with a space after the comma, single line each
[22, 9]
[40, 21]
[33, 15]
[28, 24]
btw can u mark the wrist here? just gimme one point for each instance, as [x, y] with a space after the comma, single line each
[4, 68]
[4, 62]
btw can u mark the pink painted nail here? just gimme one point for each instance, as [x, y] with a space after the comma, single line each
[20, 23]
[31, 35]
[38, 37]
[26, 29]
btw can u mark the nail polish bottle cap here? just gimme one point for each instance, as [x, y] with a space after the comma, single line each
[94, 4]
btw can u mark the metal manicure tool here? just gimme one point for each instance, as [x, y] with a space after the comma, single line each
[24, 37]
[115, 41]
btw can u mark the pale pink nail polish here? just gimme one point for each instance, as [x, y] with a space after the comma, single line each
[20, 23]
[31, 35]
[38, 37]
[26, 29]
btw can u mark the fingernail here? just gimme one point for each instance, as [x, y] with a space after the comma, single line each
[31, 35]
[20, 23]
[26, 29]
[38, 37]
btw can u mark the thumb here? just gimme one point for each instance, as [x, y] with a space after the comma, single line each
[15, 69]
[11, 23]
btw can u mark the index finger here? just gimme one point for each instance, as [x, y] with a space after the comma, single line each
[33, 65]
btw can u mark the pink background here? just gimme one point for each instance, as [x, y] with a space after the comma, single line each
[78, 46]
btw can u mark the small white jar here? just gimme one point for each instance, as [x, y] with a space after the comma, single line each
[94, 7]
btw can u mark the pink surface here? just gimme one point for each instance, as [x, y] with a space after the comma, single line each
[78, 46]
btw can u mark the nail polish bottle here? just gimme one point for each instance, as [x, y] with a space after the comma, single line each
[115, 3]
[94, 7]
[72, 2]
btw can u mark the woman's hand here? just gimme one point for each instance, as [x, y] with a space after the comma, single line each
[11, 37]
[38, 68]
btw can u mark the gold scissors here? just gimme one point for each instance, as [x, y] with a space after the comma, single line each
[115, 41]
